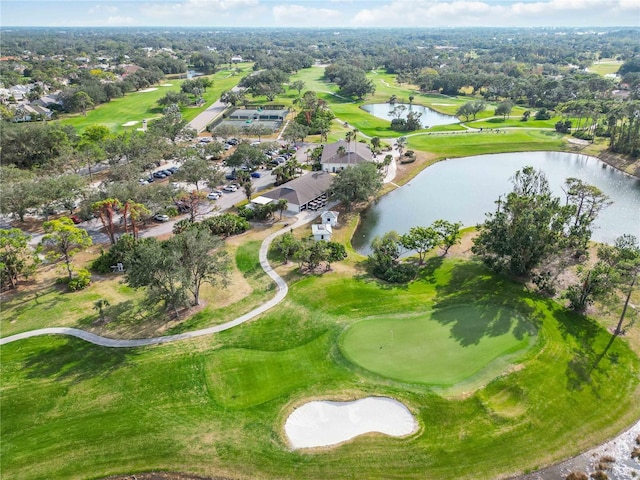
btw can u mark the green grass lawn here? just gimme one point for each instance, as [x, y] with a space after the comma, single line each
[216, 406]
[314, 81]
[127, 312]
[133, 107]
[605, 66]
[425, 349]
[465, 144]
[137, 106]
[514, 122]
[54, 306]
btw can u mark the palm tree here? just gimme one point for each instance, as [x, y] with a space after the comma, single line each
[386, 162]
[400, 144]
[99, 306]
[411, 97]
[375, 143]
[348, 137]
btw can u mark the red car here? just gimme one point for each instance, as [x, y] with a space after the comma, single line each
[75, 219]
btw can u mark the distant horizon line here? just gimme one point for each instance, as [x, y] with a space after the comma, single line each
[263, 27]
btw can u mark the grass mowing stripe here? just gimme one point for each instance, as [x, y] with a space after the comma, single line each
[73, 408]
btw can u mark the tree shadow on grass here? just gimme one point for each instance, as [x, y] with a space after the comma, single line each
[127, 313]
[428, 269]
[590, 356]
[48, 299]
[477, 304]
[76, 360]
[369, 278]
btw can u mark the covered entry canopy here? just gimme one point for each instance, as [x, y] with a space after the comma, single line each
[261, 200]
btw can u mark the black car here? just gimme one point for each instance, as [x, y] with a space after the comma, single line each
[172, 169]
[159, 175]
[168, 173]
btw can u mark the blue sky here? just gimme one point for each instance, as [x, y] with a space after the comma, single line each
[327, 13]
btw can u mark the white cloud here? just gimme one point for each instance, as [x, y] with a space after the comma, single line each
[301, 16]
[427, 13]
[119, 21]
[197, 12]
[102, 9]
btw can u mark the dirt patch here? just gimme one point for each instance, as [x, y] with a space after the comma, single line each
[624, 163]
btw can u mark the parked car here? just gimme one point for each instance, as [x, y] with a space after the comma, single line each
[255, 144]
[160, 217]
[255, 175]
[212, 196]
[230, 188]
[232, 141]
[230, 176]
[168, 173]
[159, 175]
[75, 219]
[219, 192]
[182, 207]
[173, 169]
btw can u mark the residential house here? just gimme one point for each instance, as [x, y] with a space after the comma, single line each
[46, 100]
[341, 154]
[28, 113]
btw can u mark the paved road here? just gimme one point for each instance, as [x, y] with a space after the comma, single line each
[282, 290]
[209, 115]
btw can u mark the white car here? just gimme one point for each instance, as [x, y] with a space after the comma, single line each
[230, 188]
[159, 217]
[213, 196]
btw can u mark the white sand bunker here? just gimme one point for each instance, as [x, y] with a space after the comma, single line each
[147, 90]
[167, 85]
[320, 424]
[129, 124]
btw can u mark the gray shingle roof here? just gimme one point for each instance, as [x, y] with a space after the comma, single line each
[302, 189]
[359, 152]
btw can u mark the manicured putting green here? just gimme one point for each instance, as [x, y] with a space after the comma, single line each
[442, 347]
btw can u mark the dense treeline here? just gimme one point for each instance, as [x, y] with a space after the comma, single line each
[539, 69]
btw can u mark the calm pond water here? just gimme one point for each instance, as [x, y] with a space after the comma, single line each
[464, 189]
[429, 117]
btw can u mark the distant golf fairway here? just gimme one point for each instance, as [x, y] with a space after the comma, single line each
[441, 347]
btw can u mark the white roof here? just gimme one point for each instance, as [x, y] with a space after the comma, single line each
[330, 214]
[320, 228]
[262, 200]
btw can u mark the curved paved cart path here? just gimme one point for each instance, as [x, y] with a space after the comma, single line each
[281, 293]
